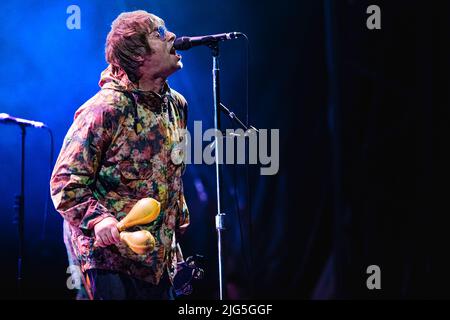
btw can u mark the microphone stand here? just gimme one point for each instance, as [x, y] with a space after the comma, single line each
[20, 209]
[220, 216]
[19, 201]
[218, 107]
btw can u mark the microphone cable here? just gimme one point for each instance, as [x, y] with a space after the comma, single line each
[248, 258]
[247, 174]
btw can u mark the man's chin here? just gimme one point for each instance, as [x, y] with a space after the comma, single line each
[177, 67]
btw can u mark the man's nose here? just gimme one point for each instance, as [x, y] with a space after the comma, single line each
[171, 36]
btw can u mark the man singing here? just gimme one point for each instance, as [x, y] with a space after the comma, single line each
[119, 149]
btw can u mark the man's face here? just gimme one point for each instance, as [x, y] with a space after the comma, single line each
[163, 61]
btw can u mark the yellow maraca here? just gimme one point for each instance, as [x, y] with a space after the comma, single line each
[146, 210]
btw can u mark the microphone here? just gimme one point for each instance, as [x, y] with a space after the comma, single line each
[6, 118]
[185, 43]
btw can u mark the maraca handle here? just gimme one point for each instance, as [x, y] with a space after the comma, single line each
[140, 242]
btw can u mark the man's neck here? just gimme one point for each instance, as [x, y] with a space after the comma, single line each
[152, 84]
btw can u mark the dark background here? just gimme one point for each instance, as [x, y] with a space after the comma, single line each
[363, 119]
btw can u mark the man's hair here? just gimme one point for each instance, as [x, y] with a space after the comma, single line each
[127, 44]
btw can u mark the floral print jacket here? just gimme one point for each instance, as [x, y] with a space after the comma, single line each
[119, 149]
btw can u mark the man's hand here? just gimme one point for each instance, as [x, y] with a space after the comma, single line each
[106, 232]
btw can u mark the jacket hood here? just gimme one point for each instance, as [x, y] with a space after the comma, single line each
[115, 78]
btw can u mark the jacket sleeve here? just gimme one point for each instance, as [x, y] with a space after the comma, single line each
[183, 218]
[76, 168]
